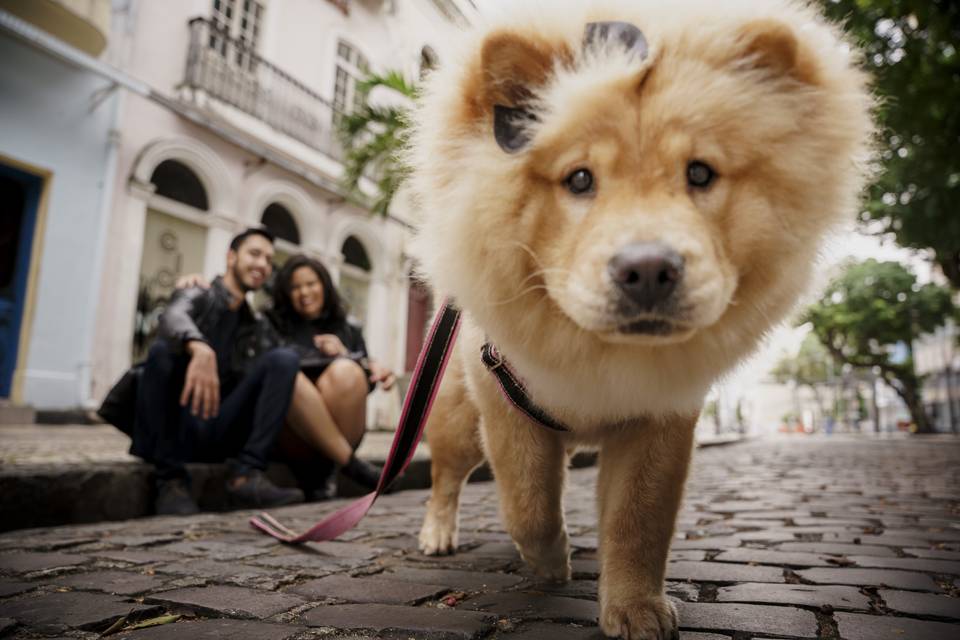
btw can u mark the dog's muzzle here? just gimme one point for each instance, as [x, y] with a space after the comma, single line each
[646, 274]
[646, 277]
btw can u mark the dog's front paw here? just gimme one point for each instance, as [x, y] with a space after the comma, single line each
[438, 536]
[639, 618]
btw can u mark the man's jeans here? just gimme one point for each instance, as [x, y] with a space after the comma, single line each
[250, 418]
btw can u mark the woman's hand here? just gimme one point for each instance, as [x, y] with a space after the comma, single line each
[190, 280]
[381, 374]
[329, 345]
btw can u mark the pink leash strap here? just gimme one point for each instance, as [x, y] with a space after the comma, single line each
[431, 363]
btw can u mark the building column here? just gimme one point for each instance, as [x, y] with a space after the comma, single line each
[121, 287]
[215, 256]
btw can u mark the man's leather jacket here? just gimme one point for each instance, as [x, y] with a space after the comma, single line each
[191, 314]
[194, 313]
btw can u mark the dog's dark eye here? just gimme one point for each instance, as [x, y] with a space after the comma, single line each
[700, 175]
[580, 182]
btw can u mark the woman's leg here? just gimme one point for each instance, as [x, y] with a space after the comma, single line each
[313, 471]
[310, 418]
[343, 386]
[333, 424]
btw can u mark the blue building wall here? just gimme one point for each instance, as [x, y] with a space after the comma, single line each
[59, 118]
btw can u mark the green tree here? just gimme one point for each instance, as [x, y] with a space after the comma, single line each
[810, 368]
[372, 137]
[912, 51]
[869, 317]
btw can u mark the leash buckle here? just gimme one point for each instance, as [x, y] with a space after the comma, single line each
[496, 359]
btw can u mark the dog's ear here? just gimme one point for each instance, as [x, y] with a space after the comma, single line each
[512, 69]
[774, 47]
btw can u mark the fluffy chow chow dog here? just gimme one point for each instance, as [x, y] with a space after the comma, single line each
[622, 197]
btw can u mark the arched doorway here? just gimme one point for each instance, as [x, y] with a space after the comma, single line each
[176, 181]
[419, 302]
[281, 223]
[355, 278]
[174, 244]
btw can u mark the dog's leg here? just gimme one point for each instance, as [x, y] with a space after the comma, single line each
[453, 435]
[640, 488]
[529, 466]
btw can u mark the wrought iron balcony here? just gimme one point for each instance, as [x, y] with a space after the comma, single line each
[230, 71]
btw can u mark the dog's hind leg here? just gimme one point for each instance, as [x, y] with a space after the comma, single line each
[454, 439]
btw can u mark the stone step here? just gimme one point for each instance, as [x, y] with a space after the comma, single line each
[16, 413]
[59, 475]
[70, 474]
[35, 496]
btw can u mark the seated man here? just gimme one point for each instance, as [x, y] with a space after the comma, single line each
[214, 386]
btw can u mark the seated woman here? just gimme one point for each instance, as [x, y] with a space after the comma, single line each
[328, 410]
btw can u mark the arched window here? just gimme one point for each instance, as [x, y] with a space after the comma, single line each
[354, 253]
[352, 66]
[176, 181]
[355, 277]
[278, 219]
[428, 60]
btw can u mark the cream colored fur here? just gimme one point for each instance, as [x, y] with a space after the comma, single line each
[764, 91]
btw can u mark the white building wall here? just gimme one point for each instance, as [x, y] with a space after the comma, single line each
[937, 351]
[59, 119]
[300, 37]
[937, 358]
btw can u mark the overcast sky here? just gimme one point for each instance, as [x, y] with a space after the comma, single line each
[786, 339]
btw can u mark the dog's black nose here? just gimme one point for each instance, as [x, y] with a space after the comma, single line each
[646, 272]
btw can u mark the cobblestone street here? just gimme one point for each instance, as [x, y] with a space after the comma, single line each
[851, 538]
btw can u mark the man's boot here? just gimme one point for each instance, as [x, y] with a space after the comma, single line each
[174, 499]
[251, 489]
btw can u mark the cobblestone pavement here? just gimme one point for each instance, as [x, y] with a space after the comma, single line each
[790, 538]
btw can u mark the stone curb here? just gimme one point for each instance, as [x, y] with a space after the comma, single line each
[47, 495]
[77, 474]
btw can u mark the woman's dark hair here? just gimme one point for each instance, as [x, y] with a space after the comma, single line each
[283, 310]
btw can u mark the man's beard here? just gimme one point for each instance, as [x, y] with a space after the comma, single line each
[239, 280]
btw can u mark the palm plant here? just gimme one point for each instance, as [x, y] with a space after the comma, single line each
[372, 137]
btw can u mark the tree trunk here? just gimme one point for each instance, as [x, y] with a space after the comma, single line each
[718, 428]
[874, 405]
[818, 399]
[949, 262]
[910, 394]
[950, 412]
